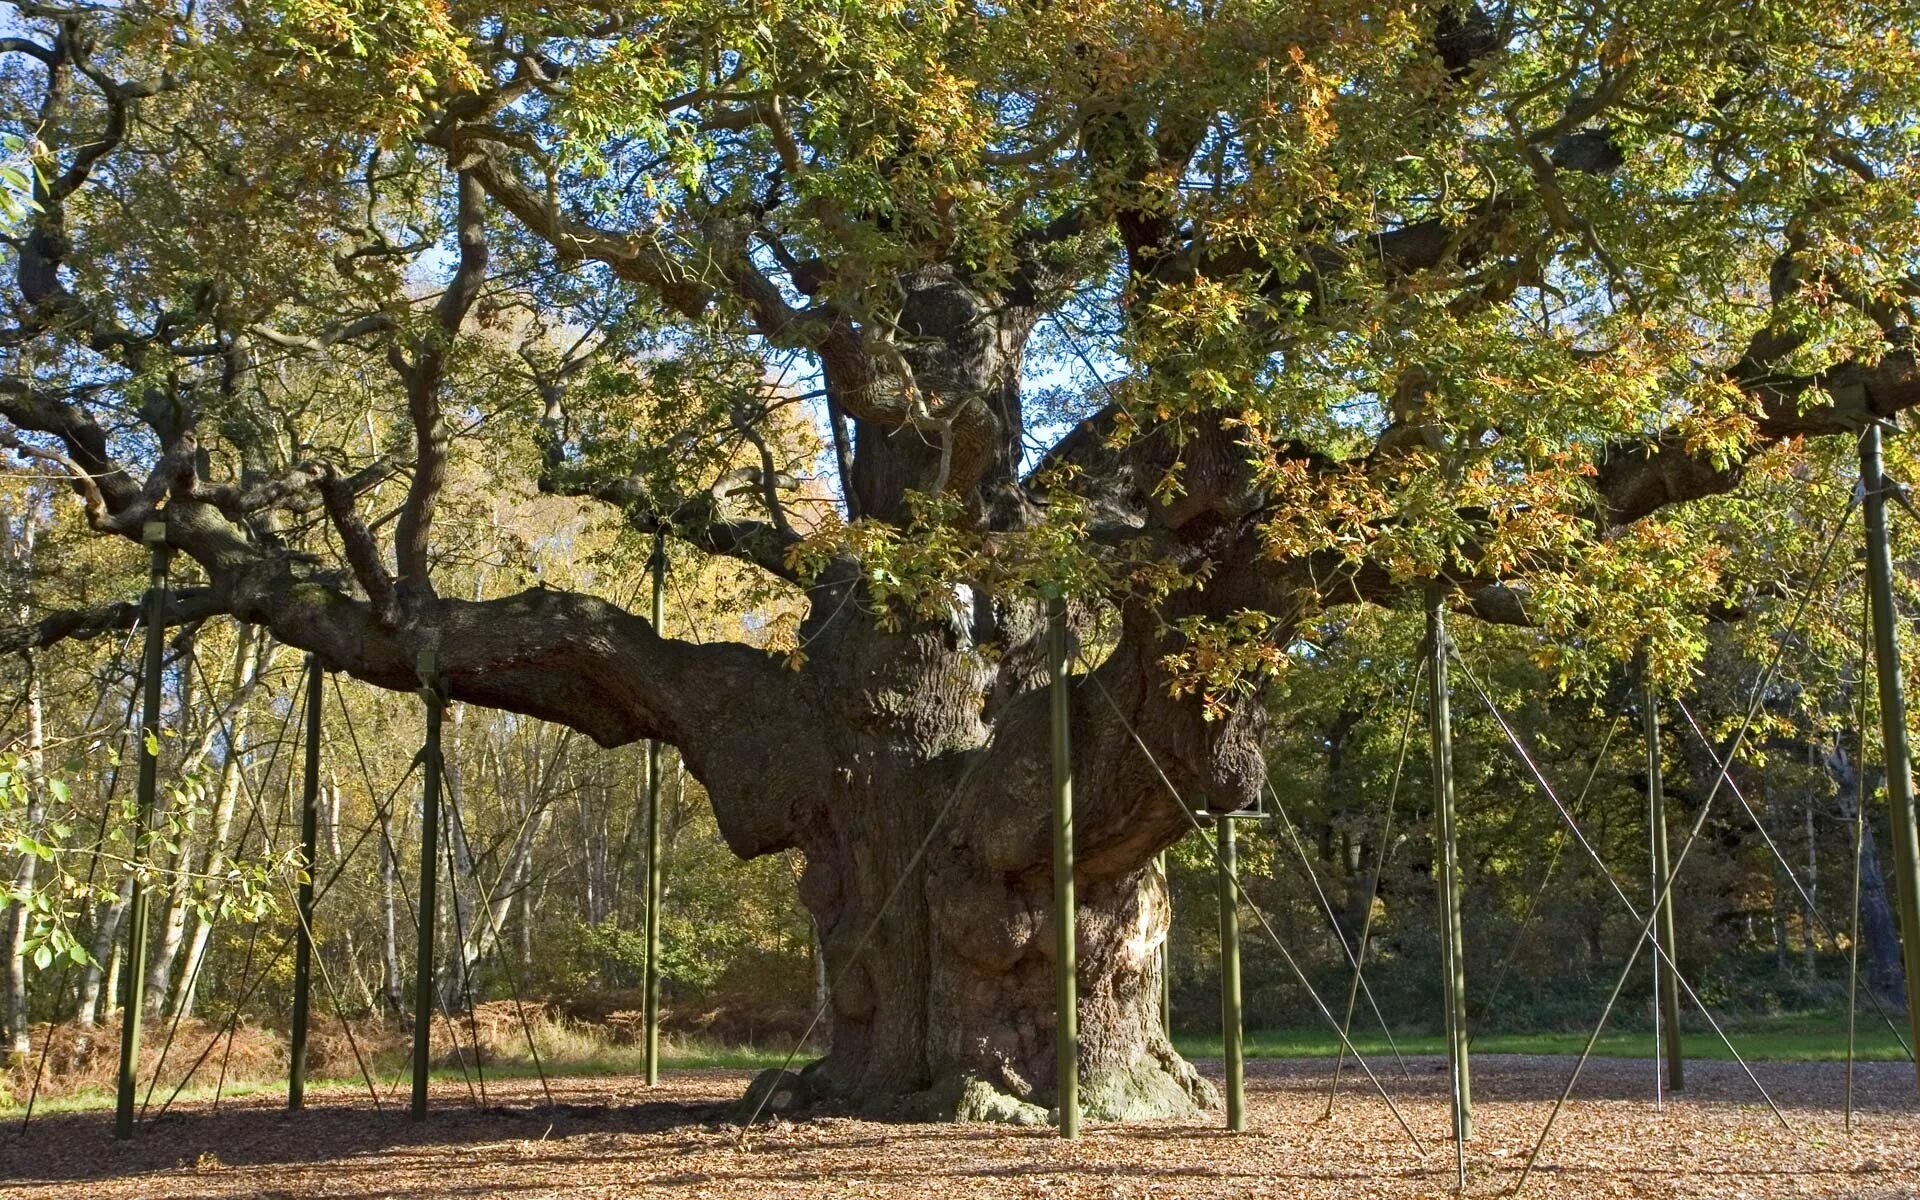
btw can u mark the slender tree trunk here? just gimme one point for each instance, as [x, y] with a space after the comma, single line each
[224, 727]
[822, 993]
[100, 981]
[114, 996]
[251, 657]
[490, 917]
[1780, 888]
[335, 800]
[175, 809]
[526, 926]
[16, 923]
[19, 1020]
[390, 986]
[1809, 926]
[589, 874]
[461, 884]
[1879, 936]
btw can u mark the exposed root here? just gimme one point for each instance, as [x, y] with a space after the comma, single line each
[1161, 1084]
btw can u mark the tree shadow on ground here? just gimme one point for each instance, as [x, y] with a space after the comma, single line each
[1878, 1086]
[78, 1146]
[362, 1148]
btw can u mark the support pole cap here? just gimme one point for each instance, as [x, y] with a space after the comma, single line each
[153, 533]
[426, 662]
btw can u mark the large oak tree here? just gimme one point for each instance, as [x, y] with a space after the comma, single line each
[1208, 316]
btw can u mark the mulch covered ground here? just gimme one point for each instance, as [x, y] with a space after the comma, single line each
[613, 1137]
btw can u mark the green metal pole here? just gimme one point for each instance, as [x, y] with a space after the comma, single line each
[654, 880]
[154, 534]
[1440, 725]
[1226, 858]
[1893, 716]
[303, 931]
[1066, 948]
[1664, 930]
[423, 997]
[1166, 952]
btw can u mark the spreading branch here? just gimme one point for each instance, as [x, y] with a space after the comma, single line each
[422, 372]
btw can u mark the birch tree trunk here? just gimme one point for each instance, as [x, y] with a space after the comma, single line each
[252, 654]
[1770, 808]
[17, 924]
[19, 1021]
[335, 799]
[390, 987]
[1810, 927]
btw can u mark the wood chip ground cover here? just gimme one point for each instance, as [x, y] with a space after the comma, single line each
[615, 1137]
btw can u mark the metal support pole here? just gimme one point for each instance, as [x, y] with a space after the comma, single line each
[1226, 858]
[1666, 972]
[303, 930]
[1066, 949]
[1893, 715]
[651, 983]
[154, 534]
[1166, 953]
[1453, 952]
[423, 983]
[1654, 880]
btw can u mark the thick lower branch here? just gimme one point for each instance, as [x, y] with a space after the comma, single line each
[185, 607]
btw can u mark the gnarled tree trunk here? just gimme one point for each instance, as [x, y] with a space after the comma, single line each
[929, 865]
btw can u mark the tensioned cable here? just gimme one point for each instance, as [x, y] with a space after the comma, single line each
[383, 814]
[326, 977]
[255, 811]
[486, 906]
[1546, 877]
[192, 662]
[319, 960]
[251, 987]
[339, 1007]
[460, 939]
[487, 895]
[1373, 888]
[1859, 848]
[93, 868]
[193, 976]
[1733, 752]
[873, 926]
[233, 1016]
[231, 1027]
[1326, 906]
[1242, 897]
[1607, 873]
[459, 934]
[1656, 829]
[266, 837]
[1805, 898]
